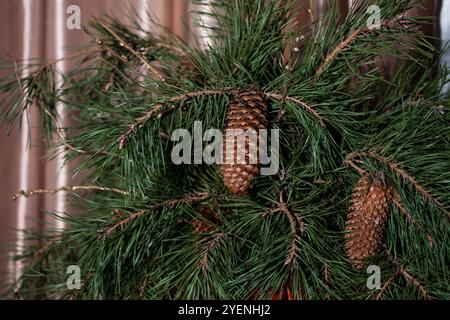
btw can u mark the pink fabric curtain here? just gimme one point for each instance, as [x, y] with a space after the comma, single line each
[37, 29]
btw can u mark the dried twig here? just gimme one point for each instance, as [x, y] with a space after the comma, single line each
[346, 42]
[159, 109]
[32, 192]
[60, 133]
[72, 56]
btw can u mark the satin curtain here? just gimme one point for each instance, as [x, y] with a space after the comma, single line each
[36, 29]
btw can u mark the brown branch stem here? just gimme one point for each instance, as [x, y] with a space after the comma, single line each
[396, 200]
[346, 42]
[32, 192]
[157, 110]
[408, 277]
[299, 102]
[385, 286]
[72, 56]
[167, 203]
[213, 241]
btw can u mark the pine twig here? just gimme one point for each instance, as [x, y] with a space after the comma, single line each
[59, 132]
[299, 102]
[59, 129]
[346, 42]
[395, 167]
[138, 55]
[168, 203]
[295, 223]
[414, 282]
[157, 110]
[408, 277]
[351, 163]
[386, 285]
[293, 53]
[102, 44]
[72, 56]
[293, 250]
[106, 233]
[397, 202]
[213, 241]
[32, 192]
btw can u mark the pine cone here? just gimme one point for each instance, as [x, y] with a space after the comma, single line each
[248, 110]
[199, 226]
[367, 218]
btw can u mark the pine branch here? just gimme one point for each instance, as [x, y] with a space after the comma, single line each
[295, 223]
[351, 162]
[292, 57]
[397, 202]
[105, 47]
[326, 274]
[395, 167]
[213, 241]
[346, 42]
[157, 110]
[293, 250]
[408, 277]
[32, 192]
[385, 286]
[59, 130]
[299, 102]
[138, 55]
[167, 203]
[73, 56]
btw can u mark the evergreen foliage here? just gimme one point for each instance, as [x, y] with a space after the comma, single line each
[340, 113]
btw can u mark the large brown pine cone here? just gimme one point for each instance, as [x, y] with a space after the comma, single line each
[367, 218]
[248, 110]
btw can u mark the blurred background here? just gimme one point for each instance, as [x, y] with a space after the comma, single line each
[37, 29]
